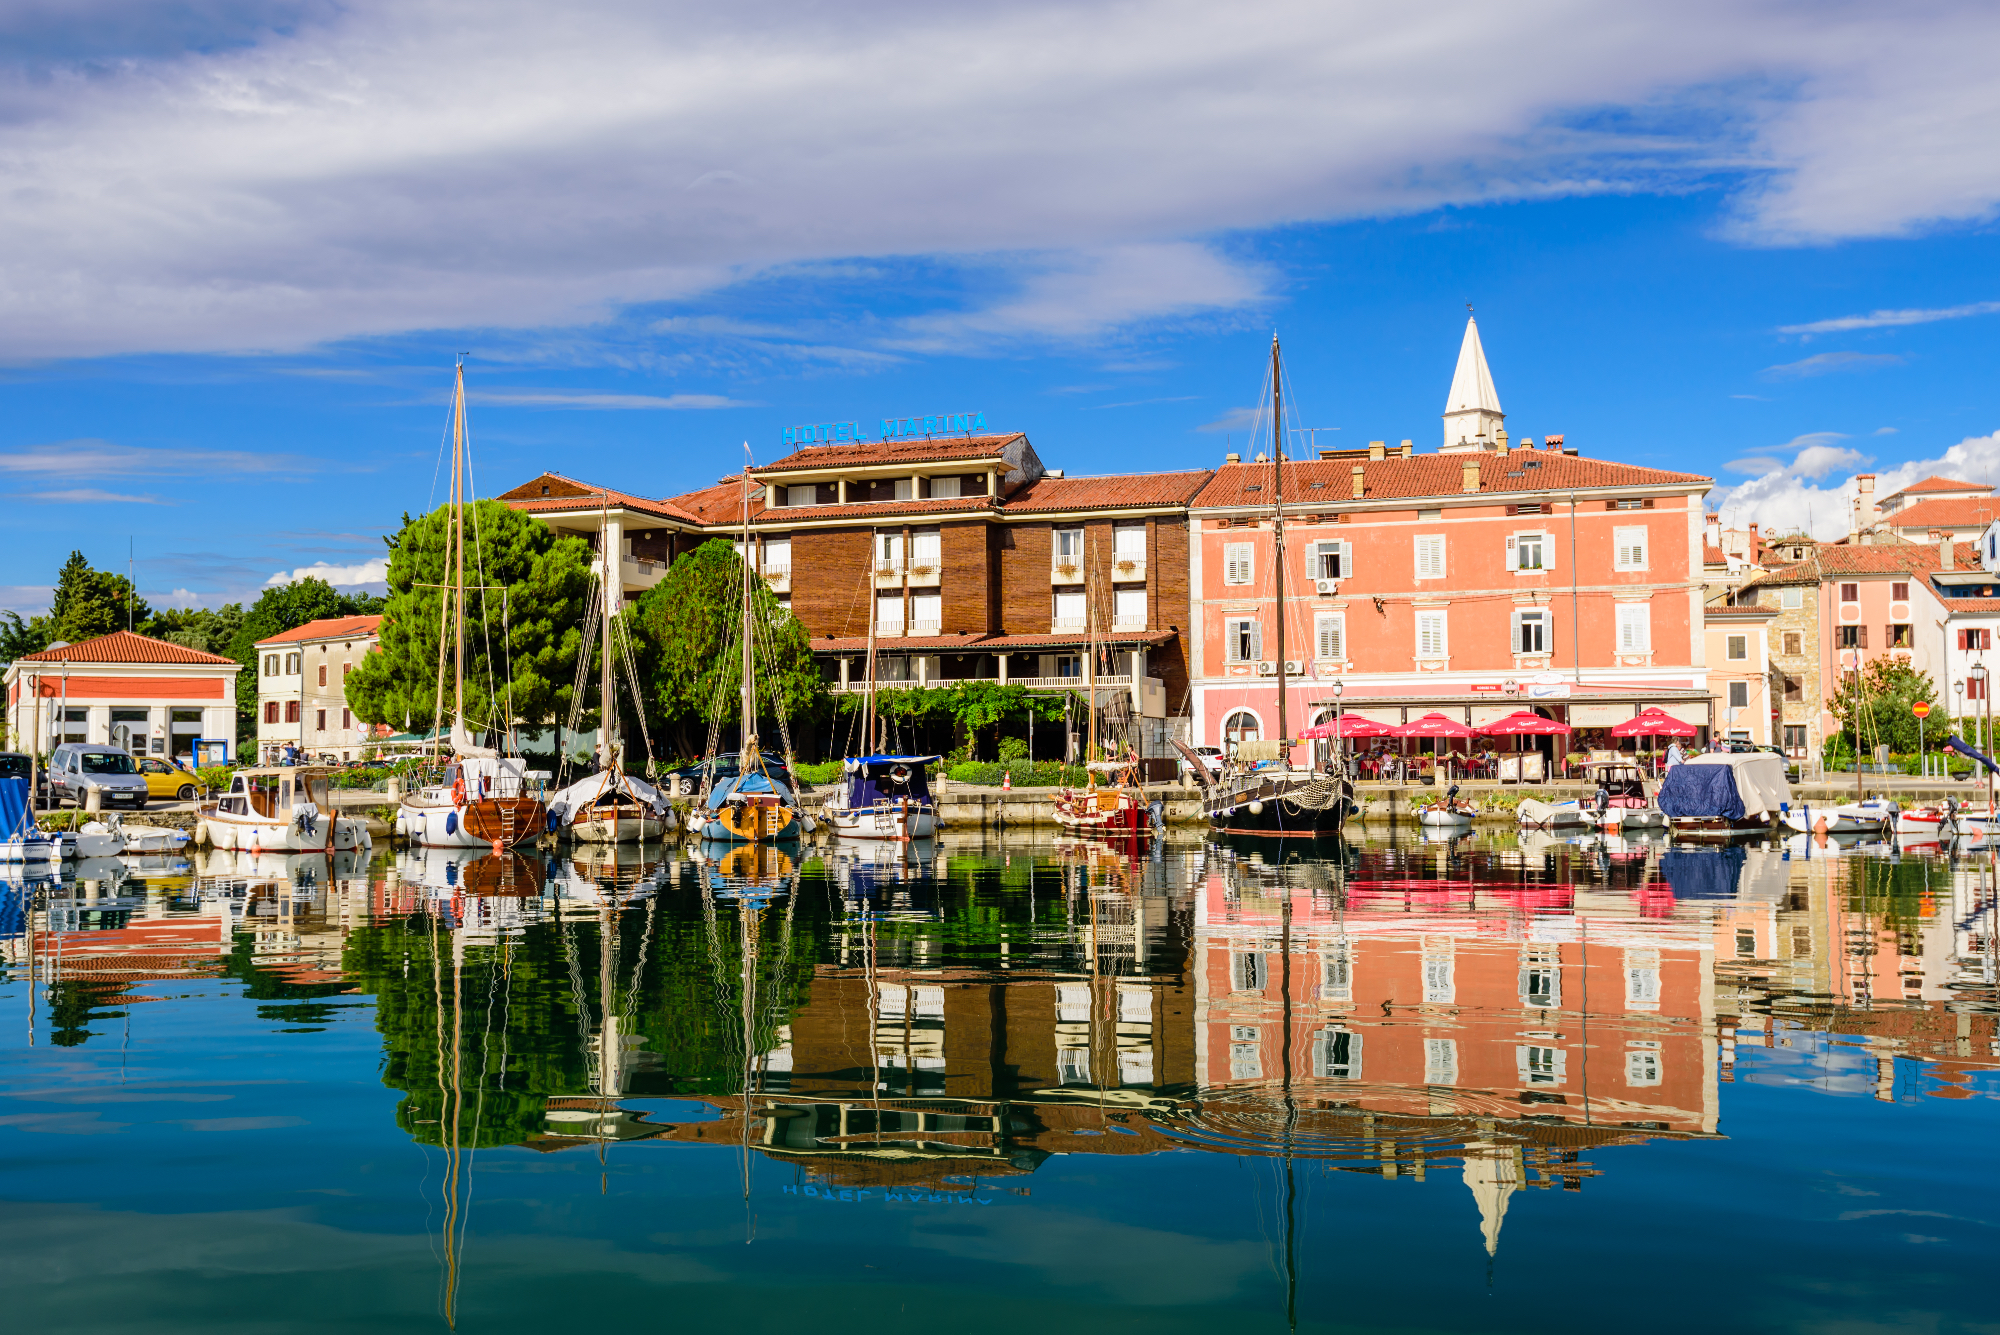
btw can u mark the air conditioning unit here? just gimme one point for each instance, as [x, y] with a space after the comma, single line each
[1327, 585]
[1294, 667]
[1267, 669]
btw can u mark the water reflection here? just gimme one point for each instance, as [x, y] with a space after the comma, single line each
[943, 1019]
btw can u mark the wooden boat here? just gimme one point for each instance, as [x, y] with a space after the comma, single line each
[887, 797]
[1724, 795]
[278, 809]
[1118, 808]
[612, 807]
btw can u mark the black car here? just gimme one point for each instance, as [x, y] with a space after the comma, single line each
[19, 765]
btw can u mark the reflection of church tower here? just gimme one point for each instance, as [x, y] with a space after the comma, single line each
[1493, 1176]
[1472, 416]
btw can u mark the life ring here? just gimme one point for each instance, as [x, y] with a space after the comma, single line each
[899, 774]
[458, 791]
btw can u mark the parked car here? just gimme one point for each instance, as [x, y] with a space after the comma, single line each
[165, 779]
[19, 765]
[77, 767]
[1211, 758]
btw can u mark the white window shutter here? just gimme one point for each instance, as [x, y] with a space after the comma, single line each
[1236, 563]
[1346, 550]
[1330, 637]
[1256, 642]
[1513, 554]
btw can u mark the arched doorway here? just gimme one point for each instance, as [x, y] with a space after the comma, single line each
[1241, 726]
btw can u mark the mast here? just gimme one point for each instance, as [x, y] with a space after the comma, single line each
[1089, 661]
[609, 728]
[868, 747]
[1278, 530]
[458, 542]
[749, 685]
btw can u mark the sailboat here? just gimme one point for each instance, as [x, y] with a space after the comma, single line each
[883, 796]
[610, 806]
[752, 800]
[483, 798]
[1259, 792]
[1119, 807]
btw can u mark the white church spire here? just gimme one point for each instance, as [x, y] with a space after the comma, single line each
[1472, 414]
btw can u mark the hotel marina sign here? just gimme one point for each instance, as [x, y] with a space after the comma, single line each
[937, 424]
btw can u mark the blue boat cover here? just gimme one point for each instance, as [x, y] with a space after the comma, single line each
[750, 783]
[15, 818]
[1703, 792]
[1703, 873]
[868, 780]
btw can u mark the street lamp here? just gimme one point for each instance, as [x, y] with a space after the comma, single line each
[1338, 687]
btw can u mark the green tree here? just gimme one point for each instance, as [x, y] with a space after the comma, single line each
[1880, 699]
[686, 633]
[88, 603]
[523, 629]
[203, 629]
[19, 636]
[278, 609]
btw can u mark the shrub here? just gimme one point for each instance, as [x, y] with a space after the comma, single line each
[825, 771]
[216, 777]
[1013, 748]
[1041, 774]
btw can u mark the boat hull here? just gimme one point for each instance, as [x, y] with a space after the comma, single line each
[621, 827]
[1718, 828]
[752, 822]
[506, 821]
[1279, 806]
[899, 821]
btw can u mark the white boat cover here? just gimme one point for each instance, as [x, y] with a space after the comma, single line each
[565, 804]
[1760, 779]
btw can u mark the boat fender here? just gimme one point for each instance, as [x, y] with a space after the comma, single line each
[1256, 807]
[809, 823]
[200, 832]
[451, 822]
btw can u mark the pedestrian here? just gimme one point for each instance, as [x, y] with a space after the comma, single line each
[1674, 754]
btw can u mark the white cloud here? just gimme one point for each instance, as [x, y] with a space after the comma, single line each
[1827, 363]
[1792, 497]
[102, 458]
[1891, 319]
[324, 174]
[1236, 419]
[88, 496]
[565, 399]
[25, 599]
[375, 571]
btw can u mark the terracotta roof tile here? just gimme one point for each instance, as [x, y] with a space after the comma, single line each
[1712, 555]
[860, 454]
[1901, 558]
[1936, 483]
[327, 628]
[1953, 512]
[1426, 475]
[122, 646]
[552, 493]
[1109, 493]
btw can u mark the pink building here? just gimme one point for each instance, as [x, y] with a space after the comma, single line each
[1474, 580]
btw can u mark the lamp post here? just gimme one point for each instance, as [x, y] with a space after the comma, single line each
[1959, 718]
[1338, 687]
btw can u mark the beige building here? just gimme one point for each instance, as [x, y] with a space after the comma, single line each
[1747, 692]
[302, 688]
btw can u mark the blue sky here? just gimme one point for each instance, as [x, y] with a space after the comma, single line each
[245, 242]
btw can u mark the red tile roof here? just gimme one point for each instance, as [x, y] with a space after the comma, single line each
[1712, 555]
[1936, 483]
[122, 646]
[1898, 558]
[1954, 512]
[552, 493]
[860, 454]
[1427, 475]
[1109, 493]
[327, 628]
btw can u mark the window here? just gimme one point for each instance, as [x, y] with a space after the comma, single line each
[889, 614]
[1439, 987]
[292, 668]
[804, 495]
[346, 719]
[1975, 687]
[1336, 1055]
[944, 489]
[1630, 545]
[270, 711]
[926, 613]
[1430, 635]
[1069, 546]
[1739, 695]
[1243, 640]
[1850, 593]
[1430, 556]
[1128, 609]
[1632, 503]
[1541, 986]
[1336, 975]
[1975, 639]
[1791, 600]
[1531, 508]
[1440, 1061]
[1240, 727]
[1531, 632]
[319, 720]
[1247, 972]
[1070, 611]
[1899, 592]
[1524, 551]
[1795, 733]
[1246, 1061]
[1539, 1065]
[1425, 516]
[1736, 647]
[926, 552]
[1128, 543]
[905, 490]
[1901, 636]
[1237, 562]
[1066, 665]
[1852, 637]
[1793, 643]
[345, 668]
[270, 665]
[322, 676]
[1642, 1066]
[1329, 560]
[1073, 1066]
[888, 553]
[292, 708]
[1746, 943]
[1330, 636]
[1635, 628]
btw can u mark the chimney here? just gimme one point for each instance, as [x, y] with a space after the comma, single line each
[1232, 458]
[1500, 439]
[1470, 481]
[1408, 449]
[1378, 449]
[1360, 481]
[1866, 515]
[1944, 552]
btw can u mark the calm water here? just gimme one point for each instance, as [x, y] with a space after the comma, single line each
[1005, 1086]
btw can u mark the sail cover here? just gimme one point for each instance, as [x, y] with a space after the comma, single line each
[564, 806]
[1726, 787]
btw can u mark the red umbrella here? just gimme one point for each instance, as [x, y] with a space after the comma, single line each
[1432, 725]
[1350, 725]
[1525, 722]
[1654, 723]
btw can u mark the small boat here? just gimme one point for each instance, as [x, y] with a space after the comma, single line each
[1875, 815]
[1448, 812]
[1119, 808]
[611, 807]
[887, 797]
[1624, 805]
[24, 842]
[748, 799]
[1724, 795]
[279, 809]
[1917, 824]
[98, 840]
[148, 838]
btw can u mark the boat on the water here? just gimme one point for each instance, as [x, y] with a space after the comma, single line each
[278, 809]
[612, 807]
[1624, 804]
[1448, 812]
[1874, 815]
[1724, 795]
[23, 843]
[886, 797]
[1116, 808]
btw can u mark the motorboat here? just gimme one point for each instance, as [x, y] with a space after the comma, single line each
[1448, 812]
[1118, 807]
[886, 797]
[1619, 802]
[1724, 795]
[99, 840]
[611, 807]
[278, 809]
[1874, 815]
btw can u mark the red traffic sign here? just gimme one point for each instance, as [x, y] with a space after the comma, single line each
[1921, 709]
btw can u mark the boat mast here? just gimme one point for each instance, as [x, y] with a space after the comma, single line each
[1278, 530]
[1090, 661]
[458, 543]
[749, 685]
[609, 730]
[868, 747]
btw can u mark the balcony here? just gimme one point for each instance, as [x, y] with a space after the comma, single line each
[1128, 623]
[1066, 570]
[923, 573]
[924, 628]
[1062, 625]
[1128, 569]
[889, 572]
[779, 578]
[640, 572]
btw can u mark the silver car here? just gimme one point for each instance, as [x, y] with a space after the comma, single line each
[77, 767]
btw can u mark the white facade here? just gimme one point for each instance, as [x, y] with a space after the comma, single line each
[130, 691]
[302, 689]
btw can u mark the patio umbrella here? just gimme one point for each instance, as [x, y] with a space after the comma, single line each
[1523, 723]
[1349, 725]
[1432, 725]
[1654, 723]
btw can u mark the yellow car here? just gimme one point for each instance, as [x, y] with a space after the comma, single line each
[168, 780]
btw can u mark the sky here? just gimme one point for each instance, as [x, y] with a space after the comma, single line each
[244, 242]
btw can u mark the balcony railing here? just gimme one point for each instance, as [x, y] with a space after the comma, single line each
[1067, 624]
[889, 571]
[1128, 623]
[924, 628]
[778, 577]
[1105, 681]
[889, 629]
[641, 570]
[1066, 570]
[1128, 569]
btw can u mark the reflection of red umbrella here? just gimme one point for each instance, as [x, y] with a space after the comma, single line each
[1654, 723]
[1515, 725]
[1349, 725]
[1432, 725]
